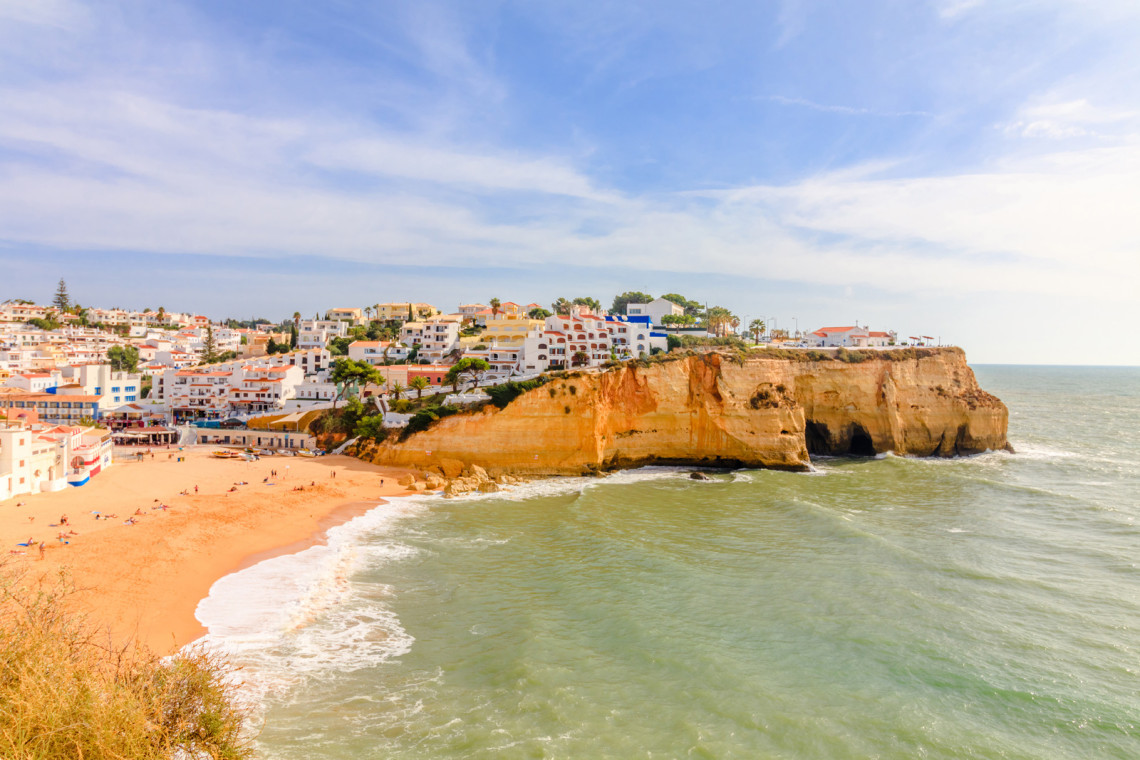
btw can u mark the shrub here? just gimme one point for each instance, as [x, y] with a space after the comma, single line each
[425, 418]
[372, 428]
[505, 393]
[403, 405]
[66, 692]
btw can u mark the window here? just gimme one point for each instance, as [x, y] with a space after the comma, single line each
[115, 389]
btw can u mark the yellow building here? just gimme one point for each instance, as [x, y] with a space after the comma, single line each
[352, 316]
[508, 330]
[399, 310]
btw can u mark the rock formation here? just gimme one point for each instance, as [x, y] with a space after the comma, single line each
[713, 409]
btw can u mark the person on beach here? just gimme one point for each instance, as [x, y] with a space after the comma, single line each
[195, 488]
[43, 549]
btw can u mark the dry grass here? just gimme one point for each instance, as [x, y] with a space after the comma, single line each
[67, 692]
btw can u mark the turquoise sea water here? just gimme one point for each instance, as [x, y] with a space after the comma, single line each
[986, 607]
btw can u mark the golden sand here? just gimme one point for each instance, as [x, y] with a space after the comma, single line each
[145, 579]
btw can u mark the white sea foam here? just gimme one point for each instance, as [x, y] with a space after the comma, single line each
[299, 613]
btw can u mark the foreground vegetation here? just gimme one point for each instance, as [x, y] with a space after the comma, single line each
[67, 692]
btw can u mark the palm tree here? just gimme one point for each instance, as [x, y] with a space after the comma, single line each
[580, 359]
[368, 312]
[395, 389]
[297, 320]
[495, 304]
[735, 322]
[756, 327]
[418, 383]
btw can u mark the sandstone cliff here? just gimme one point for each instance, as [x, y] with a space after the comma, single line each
[720, 410]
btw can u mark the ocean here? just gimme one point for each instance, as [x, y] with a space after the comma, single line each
[982, 607]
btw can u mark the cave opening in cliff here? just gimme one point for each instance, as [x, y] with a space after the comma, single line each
[817, 439]
[861, 443]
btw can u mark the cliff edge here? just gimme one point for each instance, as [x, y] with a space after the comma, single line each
[762, 409]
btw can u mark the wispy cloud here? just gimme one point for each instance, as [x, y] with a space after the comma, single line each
[1072, 118]
[846, 110]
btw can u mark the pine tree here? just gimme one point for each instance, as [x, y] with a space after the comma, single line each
[62, 301]
[210, 348]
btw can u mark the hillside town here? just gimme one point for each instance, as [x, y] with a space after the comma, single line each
[75, 381]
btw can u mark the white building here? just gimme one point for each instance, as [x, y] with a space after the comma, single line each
[377, 352]
[436, 337]
[578, 339]
[316, 333]
[850, 336]
[36, 457]
[655, 310]
[34, 382]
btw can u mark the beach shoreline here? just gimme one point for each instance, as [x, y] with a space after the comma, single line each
[144, 580]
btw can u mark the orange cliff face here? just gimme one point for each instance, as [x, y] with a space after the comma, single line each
[718, 410]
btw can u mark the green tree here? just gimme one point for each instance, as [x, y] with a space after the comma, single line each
[593, 304]
[339, 346]
[692, 308]
[395, 389]
[718, 320]
[371, 426]
[348, 372]
[561, 307]
[418, 383]
[123, 358]
[538, 313]
[678, 319]
[756, 327]
[495, 304]
[580, 359]
[209, 347]
[471, 367]
[626, 298]
[62, 300]
[292, 336]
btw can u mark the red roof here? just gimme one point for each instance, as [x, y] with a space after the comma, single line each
[837, 329]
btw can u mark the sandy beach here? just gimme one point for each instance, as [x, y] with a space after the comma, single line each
[145, 579]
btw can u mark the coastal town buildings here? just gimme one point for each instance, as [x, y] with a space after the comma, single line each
[352, 316]
[316, 333]
[436, 337]
[377, 351]
[656, 310]
[850, 336]
[37, 457]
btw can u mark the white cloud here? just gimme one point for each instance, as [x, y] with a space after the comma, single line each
[115, 171]
[52, 13]
[848, 110]
[1059, 120]
[951, 9]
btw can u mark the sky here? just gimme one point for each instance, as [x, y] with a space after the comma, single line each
[964, 169]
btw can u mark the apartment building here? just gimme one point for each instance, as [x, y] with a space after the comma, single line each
[316, 333]
[377, 351]
[436, 337]
[66, 405]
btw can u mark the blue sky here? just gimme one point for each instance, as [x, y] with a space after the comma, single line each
[967, 169]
